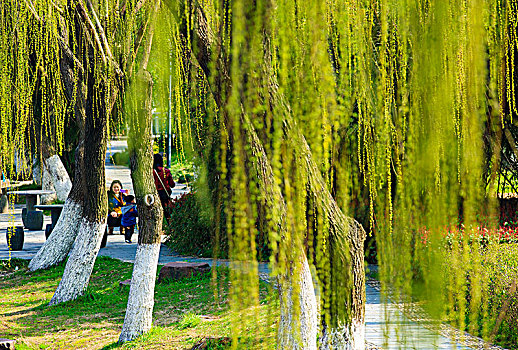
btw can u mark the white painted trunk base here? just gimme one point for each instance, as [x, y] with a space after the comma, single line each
[139, 312]
[298, 330]
[58, 245]
[358, 335]
[36, 171]
[345, 337]
[60, 179]
[80, 262]
[46, 185]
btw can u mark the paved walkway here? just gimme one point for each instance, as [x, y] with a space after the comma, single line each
[386, 326]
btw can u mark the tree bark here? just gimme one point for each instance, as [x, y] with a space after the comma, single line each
[141, 296]
[294, 332]
[58, 175]
[93, 223]
[46, 185]
[58, 245]
[139, 312]
[298, 332]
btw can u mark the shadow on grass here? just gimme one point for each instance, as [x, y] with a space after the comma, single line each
[99, 313]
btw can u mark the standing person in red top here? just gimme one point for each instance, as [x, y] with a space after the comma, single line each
[163, 181]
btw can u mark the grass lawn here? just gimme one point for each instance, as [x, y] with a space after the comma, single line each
[185, 311]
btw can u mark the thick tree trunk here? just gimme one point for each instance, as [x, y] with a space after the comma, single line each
[36, 172]
[300, 330]
[139, 311]
[58, 245]
[46, 185]
[93, 223]
[87, 243]
[58, 176]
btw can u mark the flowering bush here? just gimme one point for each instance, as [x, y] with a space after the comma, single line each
[502, 234]
[499, 268]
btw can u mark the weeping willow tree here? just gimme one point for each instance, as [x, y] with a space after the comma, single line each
[307, 106]
[298, 109]
[69, 57]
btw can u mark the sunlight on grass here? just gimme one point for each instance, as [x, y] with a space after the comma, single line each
[185, 311]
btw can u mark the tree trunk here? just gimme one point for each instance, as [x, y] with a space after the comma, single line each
[87, 243]
[298, 332]
[59, 176]
[46, 185]
[58, 245]
[294, 332]
[139, 311]
[93, 223]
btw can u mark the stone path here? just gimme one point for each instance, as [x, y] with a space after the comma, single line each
[386, 326]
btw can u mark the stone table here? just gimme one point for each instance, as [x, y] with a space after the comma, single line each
[55, 211]
[33, 219]
[31, 197]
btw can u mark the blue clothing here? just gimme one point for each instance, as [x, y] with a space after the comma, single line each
[115, 203]
[129, 215]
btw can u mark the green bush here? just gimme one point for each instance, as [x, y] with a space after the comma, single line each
[501, 268]
[121, 158]
[191, 229]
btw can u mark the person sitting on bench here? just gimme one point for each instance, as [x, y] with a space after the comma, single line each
[116, 200]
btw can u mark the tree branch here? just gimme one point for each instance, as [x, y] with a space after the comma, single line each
[151, 31]
[33, 11]
[104, 40]
[68, 52]
[88, 23]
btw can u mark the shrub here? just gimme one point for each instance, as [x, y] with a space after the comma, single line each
[191, 230]
[121, 158]
[501, 268]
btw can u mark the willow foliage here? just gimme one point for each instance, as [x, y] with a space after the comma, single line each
[49, 51]
[392, 96]
[29, 53]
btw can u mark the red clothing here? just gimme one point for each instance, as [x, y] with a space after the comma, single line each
[166, 177]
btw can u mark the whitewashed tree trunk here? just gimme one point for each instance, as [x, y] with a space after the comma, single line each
[46, 184]
[59, 175]
[36, 172]
[81, 262]
[58, 245]
[139, 312]
[358, 334]
[298, 329]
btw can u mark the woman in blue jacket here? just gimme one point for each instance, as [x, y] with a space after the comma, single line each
[116, 200]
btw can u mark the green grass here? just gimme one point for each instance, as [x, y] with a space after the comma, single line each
[185, 311]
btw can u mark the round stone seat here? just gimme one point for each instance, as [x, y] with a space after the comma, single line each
[34, 220]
